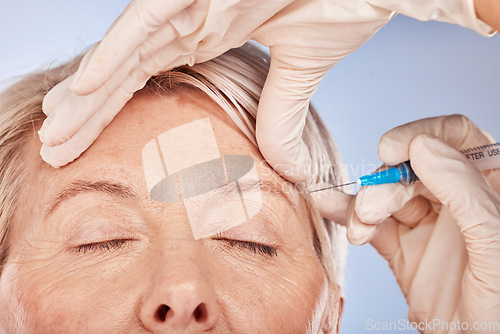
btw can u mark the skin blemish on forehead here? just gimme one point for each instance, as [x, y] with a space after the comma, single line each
[184, 164]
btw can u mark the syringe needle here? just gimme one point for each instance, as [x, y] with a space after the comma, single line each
[483, 157]
[336, 186]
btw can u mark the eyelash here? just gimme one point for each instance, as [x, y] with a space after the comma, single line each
[251, 246]
[118, 243]
[109, 245]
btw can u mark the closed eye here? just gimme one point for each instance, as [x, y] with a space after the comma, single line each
[111, 245]
[254, 247]
[108, 245]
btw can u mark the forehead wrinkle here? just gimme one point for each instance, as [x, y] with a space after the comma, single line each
[264, 186]
[228, 189]
[85, 186]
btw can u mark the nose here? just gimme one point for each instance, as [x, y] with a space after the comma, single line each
[180, 299]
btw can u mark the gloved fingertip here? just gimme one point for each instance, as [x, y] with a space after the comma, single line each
[374, 204]
[55, 97]
[45, 153]
[391, 151]
[42, 133]
[426, 146]
[333, 205]
[51, 137]
[48, 104]
[302, 168]
[370, 204]
[293, 165]
[359, 233]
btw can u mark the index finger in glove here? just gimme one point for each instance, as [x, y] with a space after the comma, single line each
[55, 96]
[456, 130]
[333, 205]
[70, 111]
[283, 108]
[126, 35]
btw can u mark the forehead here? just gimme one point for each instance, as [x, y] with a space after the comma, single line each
[148, 116]
[143, 119]
[118, 154]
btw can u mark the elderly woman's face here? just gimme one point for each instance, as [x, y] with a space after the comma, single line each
[169, 222]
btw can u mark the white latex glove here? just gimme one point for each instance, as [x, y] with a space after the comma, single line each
[306, 38]
[440, 236]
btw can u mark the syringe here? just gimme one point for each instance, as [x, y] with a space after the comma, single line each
[483, 157]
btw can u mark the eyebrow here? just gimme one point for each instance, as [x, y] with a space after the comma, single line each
[122, 191]
[244, 186]
[85, 186]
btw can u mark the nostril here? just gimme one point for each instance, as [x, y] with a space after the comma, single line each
[161, 313]
[200, 313]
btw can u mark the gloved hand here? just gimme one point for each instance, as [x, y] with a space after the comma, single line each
[440, 236]
[306, 38]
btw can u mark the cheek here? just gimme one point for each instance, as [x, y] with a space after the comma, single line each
[12, 317]
[69, 299]
[283, 297]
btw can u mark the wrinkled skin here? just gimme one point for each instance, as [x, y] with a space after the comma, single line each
[63, 275]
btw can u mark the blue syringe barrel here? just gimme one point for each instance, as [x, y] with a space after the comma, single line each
[483, 157]
[402, 173]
